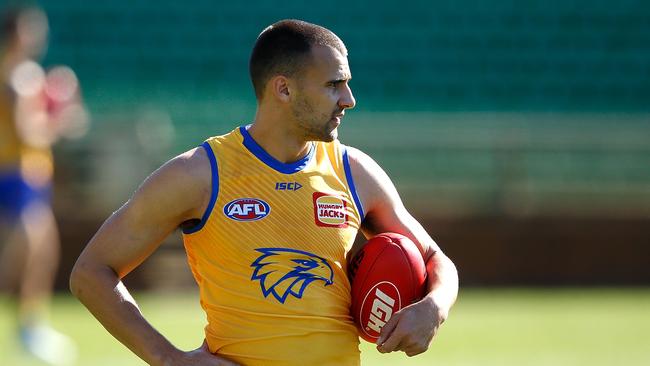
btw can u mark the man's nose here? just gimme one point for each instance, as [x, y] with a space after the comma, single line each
[347, 100]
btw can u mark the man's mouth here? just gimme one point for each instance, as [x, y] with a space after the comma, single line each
[337, 117]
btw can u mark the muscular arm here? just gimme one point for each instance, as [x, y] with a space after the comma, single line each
[409, 330]
[177, 192]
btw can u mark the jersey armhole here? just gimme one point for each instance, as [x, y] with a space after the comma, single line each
[348, 176]
[214, 190]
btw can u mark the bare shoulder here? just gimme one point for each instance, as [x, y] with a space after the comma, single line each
[183, 183]
[373, 185]
[384, 209]
[193, 163]
[189, 169]
[357, 156]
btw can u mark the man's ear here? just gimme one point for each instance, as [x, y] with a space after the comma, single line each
[280, 88]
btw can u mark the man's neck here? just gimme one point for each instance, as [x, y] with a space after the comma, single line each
[278, 141]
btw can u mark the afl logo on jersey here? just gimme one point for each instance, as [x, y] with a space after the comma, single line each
[246, 209]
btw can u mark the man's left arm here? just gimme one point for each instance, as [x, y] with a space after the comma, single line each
[411, 329]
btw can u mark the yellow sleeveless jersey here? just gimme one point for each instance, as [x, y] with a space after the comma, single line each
[35, 163]
[10, 145]
[269, 254]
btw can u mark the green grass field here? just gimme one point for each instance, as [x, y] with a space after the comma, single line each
[487, 327]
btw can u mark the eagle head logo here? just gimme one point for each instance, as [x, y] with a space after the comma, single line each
[283, 272]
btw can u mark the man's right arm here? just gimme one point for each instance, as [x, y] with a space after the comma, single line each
[177, 192]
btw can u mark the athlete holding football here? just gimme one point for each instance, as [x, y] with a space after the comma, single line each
[269, 213]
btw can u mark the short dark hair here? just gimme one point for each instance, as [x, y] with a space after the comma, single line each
[283, 48]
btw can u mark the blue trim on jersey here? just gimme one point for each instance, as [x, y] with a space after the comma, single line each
[266, 158]
[348, 176]
[213, 195]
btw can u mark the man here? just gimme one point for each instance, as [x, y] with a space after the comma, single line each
[33, 116]
[271, 268]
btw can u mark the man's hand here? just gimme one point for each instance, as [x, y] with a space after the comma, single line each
[412, 328]
[200, 357]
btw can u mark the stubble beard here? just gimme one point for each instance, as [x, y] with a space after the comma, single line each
[314, 127]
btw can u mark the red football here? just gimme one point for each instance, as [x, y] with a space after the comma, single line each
[387, 274]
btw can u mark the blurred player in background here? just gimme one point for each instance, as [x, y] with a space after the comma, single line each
[36, 109]
[269, 213]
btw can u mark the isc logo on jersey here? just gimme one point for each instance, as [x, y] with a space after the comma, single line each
[287, 186]
[383, 300]
[246, 209]
[330, 210]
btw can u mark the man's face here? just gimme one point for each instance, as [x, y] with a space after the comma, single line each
[322, 94]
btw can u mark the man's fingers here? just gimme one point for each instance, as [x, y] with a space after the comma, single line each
[214, 360]
[204, 346]
[387, 329]
[414, 350]
[412, 353]
[393, 343]
[393, 337]
[223, 362]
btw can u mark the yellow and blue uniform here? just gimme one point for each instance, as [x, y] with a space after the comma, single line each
[269, 254]
[19, 161]
[10, 144]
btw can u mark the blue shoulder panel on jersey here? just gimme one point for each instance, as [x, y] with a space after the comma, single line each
[348, 176]
[260, 153]
[215, 190]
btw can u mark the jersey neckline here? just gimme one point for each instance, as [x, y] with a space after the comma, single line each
[266, 158]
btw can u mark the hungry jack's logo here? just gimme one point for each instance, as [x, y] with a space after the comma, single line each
[330, 210]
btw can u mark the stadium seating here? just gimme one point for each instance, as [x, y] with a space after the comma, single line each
[562, 55]
[571, 79]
